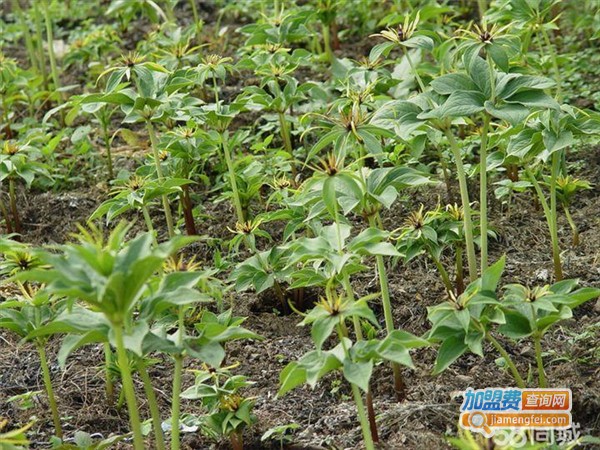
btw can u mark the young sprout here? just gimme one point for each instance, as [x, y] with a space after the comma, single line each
[566, 188]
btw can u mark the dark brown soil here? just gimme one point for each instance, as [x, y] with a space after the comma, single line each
[326, 415]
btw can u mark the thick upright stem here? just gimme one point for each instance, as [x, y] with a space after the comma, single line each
[159, 174]
[110, 388]
[128, 389]
[153, 405]
[464, 195]
[40, 42]
[359, 337]
[177, 372]
[13, 205]
[399, 385]
[549, 219]
[507, 359]
[537, 340]
[287, 141]
[327, 42]
[187, 207]
[360, 407]
[555, 67]
[460, 284]
[27, 35]
[483, 216]
[237, 203]
[554, 217]
[107, 146]
[49, 390]
[51, 55]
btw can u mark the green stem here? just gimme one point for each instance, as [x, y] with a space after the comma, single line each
[507, 359]
[148, 221]
[50, 42]
[399, 385]
[27, 35]
[152, 404]
[557, 75]
[443, 273]
[107, 146]
[49, 390]
[236, 195]
[110, 387]
[128, 389]
[483, 214]
[177, 372]
[196, 20]
[464, 194]
[40, 42]
[327, 42]
[13, 205]
[549, 219]
[537, 340]
[554, 215]
[159, 173]
[360, 407]
[414, 70]
[460, 284]
[573, 225]
[482, 7]
[287, 141]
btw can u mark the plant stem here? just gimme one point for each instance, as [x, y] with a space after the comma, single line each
[359, 337]
[110, 387]
[107, 146]
[177, 371]
[287, 141]
[464, 195]
[414, 70]
[40, 42]
[554, 215]
[557, 76]
[7, 222]
[51, 56]
[483, 219]
[399, 385]
[188, 213]
[236, 195]
[27, 35]
[360, 407]
[327, 42]
[549, 219]
[507, 359]
[537, 340]
[13, 205]
[443, 273]
[236, 440]
[482, 7]
[152, 404]
[196, 20]
[148, 221]
[128, 389]
[460, 284]
[573, 225]
[49, 390]
[159, 173]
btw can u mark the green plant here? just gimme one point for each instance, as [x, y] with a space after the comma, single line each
[280, 433]
[354, 360]
[463, 323]
[566, 188]
[228, 411]
[14, 439]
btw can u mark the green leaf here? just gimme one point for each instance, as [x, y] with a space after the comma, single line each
[322, 329]
[517, 325]
[452, 82]
[450, 350]
[291, 376]
[358, 373]
[499, 56]
[463, 103]
[491, 276]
